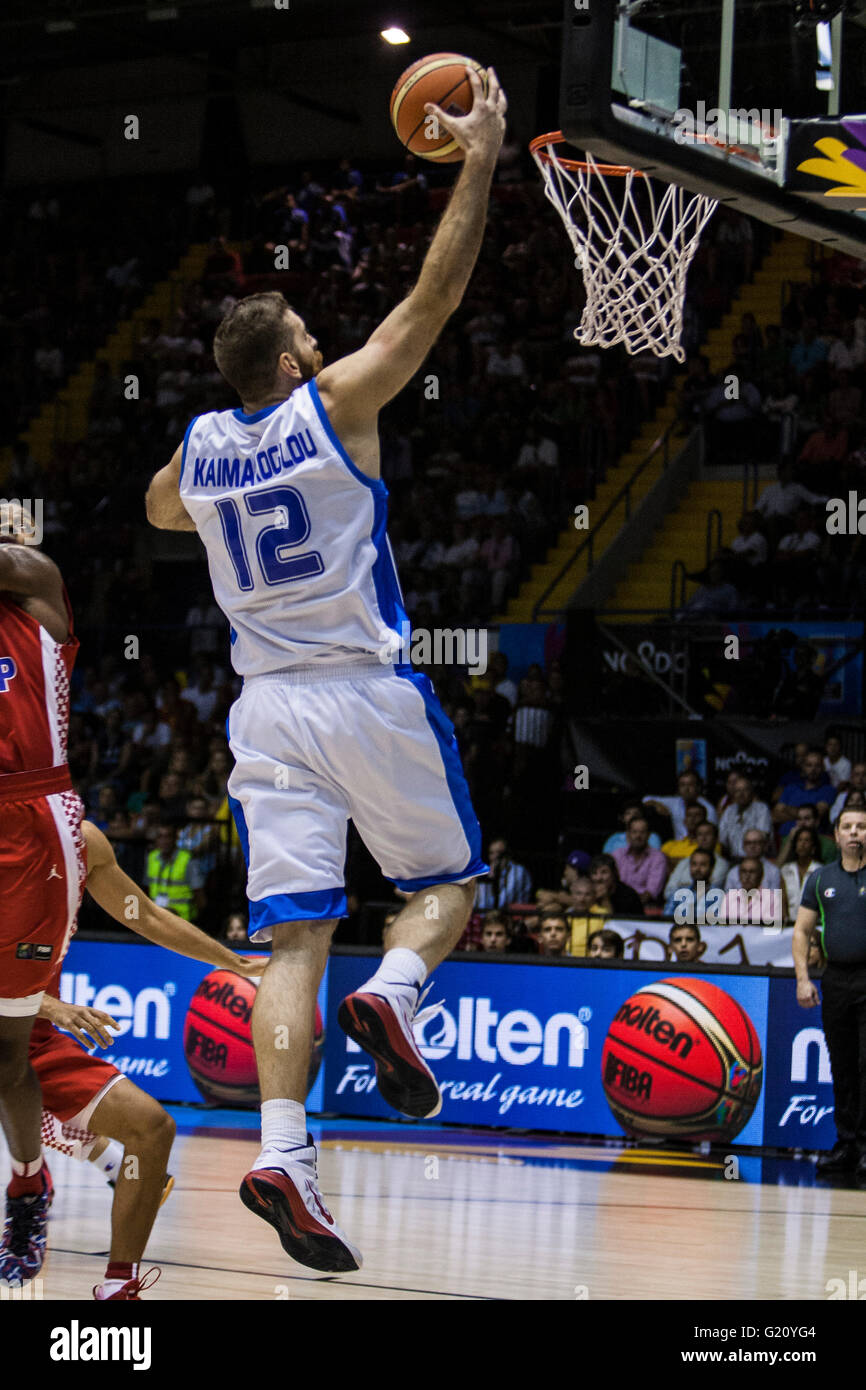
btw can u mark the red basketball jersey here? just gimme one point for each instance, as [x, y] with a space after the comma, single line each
[34, 691]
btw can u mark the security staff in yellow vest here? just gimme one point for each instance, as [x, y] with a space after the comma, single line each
[174, 880]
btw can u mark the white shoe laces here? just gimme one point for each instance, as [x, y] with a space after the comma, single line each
[431, 1011]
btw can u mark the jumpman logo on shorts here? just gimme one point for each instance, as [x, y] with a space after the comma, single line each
[54, 873]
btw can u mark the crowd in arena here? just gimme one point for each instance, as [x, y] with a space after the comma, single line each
[798, 403]
[668, 854]
[508, 426]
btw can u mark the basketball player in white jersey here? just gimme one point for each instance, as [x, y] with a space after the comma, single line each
[286, 496]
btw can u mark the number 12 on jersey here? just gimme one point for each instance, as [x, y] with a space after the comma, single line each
[272, 542]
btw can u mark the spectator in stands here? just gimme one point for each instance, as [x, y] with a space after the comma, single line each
[725, 801]
[674, 850]
[605, 944]
[235, 931]
[752, 903]
[685, 946]
[746, 813]
[503, 685]
[812, 788]
[857, 782]
[691, 895]
[198, 835]
[825, 448]
[203, 692]
[801, 748]
[780, 500]
[716, 595]
[807, 816]
[553, 934]
[174, 880]
[640, 867]
[580, 914]
[495, 933]
[794, 560]
[730, 421]
[809, 352]
[749, 549]
[507, 881]
[627, 812]
[804, 857]
[836, 765]
[693, 392]
[755, 846]
[689, 790]
[780, 408]
[706, 838]
[610, 897]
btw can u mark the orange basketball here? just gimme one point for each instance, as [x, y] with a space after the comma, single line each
[440, 78]
[218, 1040]
[682, 1059]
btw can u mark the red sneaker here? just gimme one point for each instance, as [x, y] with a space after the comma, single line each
[382, 1024]
[288, 1198]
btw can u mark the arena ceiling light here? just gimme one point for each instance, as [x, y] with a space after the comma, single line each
[395, 35]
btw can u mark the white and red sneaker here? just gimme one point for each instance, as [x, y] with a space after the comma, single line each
[381, 1022]
[286, 1195]
[129, 1291]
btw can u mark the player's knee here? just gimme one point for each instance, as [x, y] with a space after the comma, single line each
[148, 1125]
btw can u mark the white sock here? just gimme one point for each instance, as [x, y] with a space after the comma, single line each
[110, 1159]
[401, 969]
[284, 1126]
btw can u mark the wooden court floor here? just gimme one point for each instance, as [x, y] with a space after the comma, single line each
[440, 1214]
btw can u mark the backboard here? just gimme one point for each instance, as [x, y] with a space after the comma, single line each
[737, 99]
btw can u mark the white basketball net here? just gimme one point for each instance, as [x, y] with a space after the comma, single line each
[633, 244]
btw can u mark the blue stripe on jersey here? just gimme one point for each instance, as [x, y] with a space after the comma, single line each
[377, 484]
[320, 905]
[385, 581]
[186, 446]
[237, 811]
[443, 730]
[257, 415]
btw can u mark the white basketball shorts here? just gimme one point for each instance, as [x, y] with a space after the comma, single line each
[316, 746]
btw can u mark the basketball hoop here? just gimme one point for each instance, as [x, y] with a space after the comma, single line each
[633, 243]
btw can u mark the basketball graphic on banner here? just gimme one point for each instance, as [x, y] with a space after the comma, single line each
[682, 1059]
[218, 1040]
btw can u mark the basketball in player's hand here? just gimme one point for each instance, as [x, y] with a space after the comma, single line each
[218, 1040]
[440, 78]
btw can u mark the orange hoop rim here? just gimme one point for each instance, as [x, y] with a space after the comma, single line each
[556, 137]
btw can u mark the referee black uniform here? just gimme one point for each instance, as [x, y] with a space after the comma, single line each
[838, 896]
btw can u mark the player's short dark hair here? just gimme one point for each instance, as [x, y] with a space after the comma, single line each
[249, 341]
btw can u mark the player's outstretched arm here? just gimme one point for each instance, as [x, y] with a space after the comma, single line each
[165, 510]
[354, 389]
[129, 905]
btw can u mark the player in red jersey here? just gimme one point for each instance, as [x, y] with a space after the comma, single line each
[41, 856]
[85, 1098]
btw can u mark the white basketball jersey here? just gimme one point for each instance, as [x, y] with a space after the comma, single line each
[295, 536]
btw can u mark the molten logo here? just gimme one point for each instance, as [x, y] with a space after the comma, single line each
[649, 1020]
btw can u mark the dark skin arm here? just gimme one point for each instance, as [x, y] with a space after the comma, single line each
[31, 580]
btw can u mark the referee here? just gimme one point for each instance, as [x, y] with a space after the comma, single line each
[834, 900]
